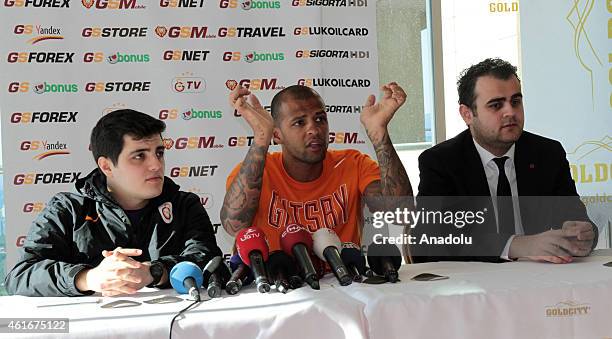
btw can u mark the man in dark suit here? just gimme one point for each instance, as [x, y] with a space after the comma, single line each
[522, 177]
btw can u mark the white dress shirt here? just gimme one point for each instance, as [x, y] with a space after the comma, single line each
[492, 174]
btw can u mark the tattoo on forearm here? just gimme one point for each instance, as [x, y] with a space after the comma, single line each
[242, 198]
[393, 177]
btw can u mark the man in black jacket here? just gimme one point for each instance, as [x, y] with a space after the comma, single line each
[536, 210]
[124, 227]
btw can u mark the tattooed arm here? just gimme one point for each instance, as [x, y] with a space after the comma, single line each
[242, 197]
[375, 117]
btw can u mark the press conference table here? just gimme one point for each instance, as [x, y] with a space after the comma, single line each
[479, 300]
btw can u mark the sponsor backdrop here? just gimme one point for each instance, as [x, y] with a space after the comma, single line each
[567, 68]
[66, 63]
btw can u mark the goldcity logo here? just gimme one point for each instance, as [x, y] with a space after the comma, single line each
[185, 55]
[37, 3]
[265, 84]
[43, 33]
[188, 83]
[332, 54]
[251, 57]
[115, 58]
[47, 148]
[190, 143]
[251, 32]
[42, 87]
[250, 4]
[182, 32]
[331, 31]
[118, 86]
[40, 57]
[44, 117]
[567, 309]
[114, 32]
[329, 3]
[193, 171]
[190, 114]
[112, 4]
[181, 3]
[45, 178]
[335, 82]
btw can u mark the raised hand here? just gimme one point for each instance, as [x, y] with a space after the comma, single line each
[255, 115]
[375, 116]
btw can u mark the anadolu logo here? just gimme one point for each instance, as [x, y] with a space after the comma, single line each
[45, 87]
[187, 83]
[44, 33]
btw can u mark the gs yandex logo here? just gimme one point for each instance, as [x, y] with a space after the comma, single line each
[250, 4]
[345, 138]
[112, 4]
[33, 207]
[118, 86]
[46, 178]
[114, 58]
[187, 83]
[181, 3]
[190, 114]
[251, 57]
[47, 148]
[187, 143]
[37, 3]
[43, 33]
[254, 84]
[193, 171]
[182, 32]
[185, 55]
[44, 117]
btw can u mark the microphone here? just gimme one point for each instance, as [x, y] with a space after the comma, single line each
[297, 241]
[326, 244]
[186, 277]
[253, 250]
[354, 260]
[211, 279]
[241, 276]
[385, 260]
[280, 266]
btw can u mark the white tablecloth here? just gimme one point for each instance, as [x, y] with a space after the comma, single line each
[480, 300]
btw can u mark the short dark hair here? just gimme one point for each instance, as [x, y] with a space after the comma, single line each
[107, 136]
[496, 67]
[295, 92]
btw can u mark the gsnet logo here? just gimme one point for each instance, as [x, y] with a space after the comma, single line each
[329, 3]
[40, 57]
[190, 114]
[335, 82]
[185, 55]
[265, 84]
[250, 4]
[44, 117]
[112, 4]
[251, 32]
[118, 86]
[187, 143]
[114, 32]
[115, 58]
[46, 178]
[38, 3]
[182, 32]
[47, 148]
[181, 3]
[251, 57]
[42, 87]
[193, 171]
[42, 33]
[187, 83]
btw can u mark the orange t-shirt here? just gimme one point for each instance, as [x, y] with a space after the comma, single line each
[333, 200]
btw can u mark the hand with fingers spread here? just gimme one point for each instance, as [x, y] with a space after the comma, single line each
[253, 112]
[118, 273]
[556, 246]
[376, 116]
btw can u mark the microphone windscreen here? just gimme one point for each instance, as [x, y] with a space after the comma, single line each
[377, 251]
[322, 239]
[182, 271]
[352, 256]
[295, 234]
[249, 240]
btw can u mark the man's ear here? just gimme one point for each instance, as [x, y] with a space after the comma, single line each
[106, 166]
[466, 113]
[276, 136]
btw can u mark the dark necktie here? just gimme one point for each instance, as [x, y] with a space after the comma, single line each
[505, 210]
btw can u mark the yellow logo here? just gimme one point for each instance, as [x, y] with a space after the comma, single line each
[567, 309]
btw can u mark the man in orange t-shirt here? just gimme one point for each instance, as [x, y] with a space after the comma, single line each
[306, 183]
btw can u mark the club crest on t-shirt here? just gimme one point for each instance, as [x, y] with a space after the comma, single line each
[165, 210]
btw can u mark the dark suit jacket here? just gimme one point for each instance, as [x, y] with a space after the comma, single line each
[454, 169]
